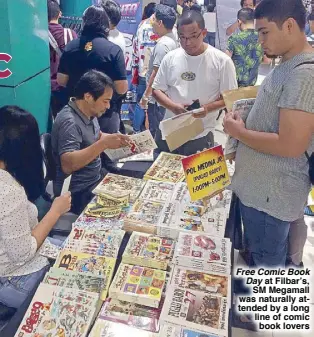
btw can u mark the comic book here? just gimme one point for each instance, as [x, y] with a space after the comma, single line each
[87, 222]
[49, 249]
[181, 195]
[178, 217]
[86, 263]
[158, 191]
[119, 186]
[145, 156]
[139, 143]
[144, 216]
[132, 314]
[97, 242]
[104, 328]
[194, 279]
[243, 108]
[56, 312]
[196, 310]
[78, 280]
[214, 222]
[148, 251]
[221, 205]
[139, 285]
[171, 330]
[202, 251]
[167, 167]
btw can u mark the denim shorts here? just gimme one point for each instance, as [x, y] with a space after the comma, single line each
[15, 289]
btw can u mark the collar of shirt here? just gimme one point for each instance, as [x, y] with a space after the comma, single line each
[85, 119]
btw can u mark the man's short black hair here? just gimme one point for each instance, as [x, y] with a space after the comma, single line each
[149, 10]
[95, 22]
[113, 10]
[53, 10]
[242, 3]
[196, 7]
[246, 15]
[189, 17]
[167, 15]
[279, 11]
[93, 82]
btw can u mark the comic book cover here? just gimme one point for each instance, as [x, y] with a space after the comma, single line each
[88, 222]
[52, 315]
[148, 251]
[104, 328]
[139, 285]
[214, 222]
[144, 216]
[167, 167]
[97, 242]
[222, 204]
[77, 280]
[139, 143]
[49, 249]
[86, 263]
[189, 278]
[119, 186]
[171, 330]
[158, 191]
[132, 314]
[200, 250]
[145, 156]
[196, 310]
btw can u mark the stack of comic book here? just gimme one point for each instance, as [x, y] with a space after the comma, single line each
[198, 298]
[95, 241]
[148, 251]
[118, 187]
[136, 284]
[167, 167]
[59, 311]
[98, 266]
[171, 330]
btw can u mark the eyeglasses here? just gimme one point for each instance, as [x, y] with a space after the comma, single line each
[191, 39]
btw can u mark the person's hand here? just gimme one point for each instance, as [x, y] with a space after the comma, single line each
[62, 204]
[144, 102]
[233, 125]
[178, 109]
[115, 140]
[230, 157]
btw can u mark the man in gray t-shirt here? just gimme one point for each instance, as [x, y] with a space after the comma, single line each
[163, 22]
[77, 141]
[271, 177]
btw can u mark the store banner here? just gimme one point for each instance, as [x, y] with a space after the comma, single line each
[227, 11]
[206, 173]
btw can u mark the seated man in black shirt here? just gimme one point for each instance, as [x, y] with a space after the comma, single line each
[77, 140]
[93, 51]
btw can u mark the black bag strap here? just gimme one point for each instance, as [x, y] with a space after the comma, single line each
[53, 43]
[299, 65]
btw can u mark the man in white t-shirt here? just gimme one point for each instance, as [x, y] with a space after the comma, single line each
[113, 11]
[196, 71]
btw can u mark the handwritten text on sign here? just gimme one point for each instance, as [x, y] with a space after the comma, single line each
[206, 173]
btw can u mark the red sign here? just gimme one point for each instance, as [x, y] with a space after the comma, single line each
[7, 72]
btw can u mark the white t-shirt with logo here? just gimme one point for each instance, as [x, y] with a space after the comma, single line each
[185, 78]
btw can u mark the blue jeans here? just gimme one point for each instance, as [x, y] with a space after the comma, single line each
[266, 237]
[139, 113]
[156, 114]
[14, 290]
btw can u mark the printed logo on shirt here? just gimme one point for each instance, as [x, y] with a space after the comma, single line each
[188, 76]
[88, 46]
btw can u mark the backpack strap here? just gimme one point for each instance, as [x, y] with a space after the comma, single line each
[53, 43]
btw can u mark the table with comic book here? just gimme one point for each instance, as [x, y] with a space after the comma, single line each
[142, 260]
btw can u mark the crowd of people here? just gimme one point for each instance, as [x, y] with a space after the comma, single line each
[173, 66]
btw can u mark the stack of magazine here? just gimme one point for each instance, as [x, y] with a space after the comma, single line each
[198, 297]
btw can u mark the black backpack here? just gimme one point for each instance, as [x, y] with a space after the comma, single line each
[310, 158]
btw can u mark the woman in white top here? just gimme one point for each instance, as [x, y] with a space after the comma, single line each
[21, 182]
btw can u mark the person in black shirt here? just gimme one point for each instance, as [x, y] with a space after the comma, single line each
[93, 51]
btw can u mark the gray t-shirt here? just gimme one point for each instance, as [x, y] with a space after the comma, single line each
[165, 44]
[276, 185]
[73, 131]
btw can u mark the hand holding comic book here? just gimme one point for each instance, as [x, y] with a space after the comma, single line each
[114, 141]
[62, 204]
